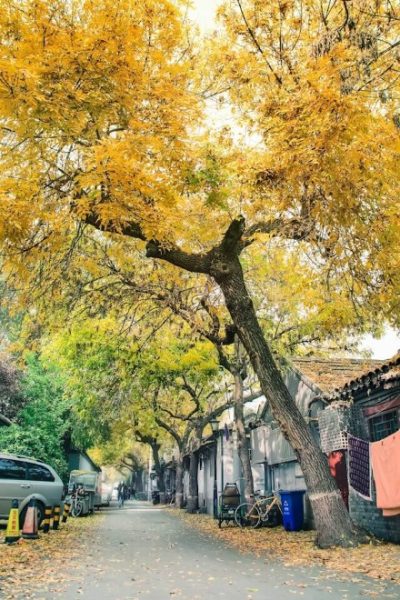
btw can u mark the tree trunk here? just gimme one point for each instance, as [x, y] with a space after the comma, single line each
[333, 524]
[179, 482]
[242, 441]
[193, 496]
[137, 480]
[158, 467]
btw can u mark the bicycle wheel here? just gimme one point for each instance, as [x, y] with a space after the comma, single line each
[76, 508]
[273, 517]
[247, 515]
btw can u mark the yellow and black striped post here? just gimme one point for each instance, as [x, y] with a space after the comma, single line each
[56, 517]
[67, 508]
[47, 517]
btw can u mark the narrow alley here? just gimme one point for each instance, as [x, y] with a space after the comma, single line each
[145, 552]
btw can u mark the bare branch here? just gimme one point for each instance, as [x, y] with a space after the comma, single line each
[257, 45]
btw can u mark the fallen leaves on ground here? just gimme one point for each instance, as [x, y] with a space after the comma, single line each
[33, 566]
[379, 560]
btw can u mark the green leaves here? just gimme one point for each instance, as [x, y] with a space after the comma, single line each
[45, 420]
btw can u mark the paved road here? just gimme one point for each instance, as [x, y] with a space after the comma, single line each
[145, 553]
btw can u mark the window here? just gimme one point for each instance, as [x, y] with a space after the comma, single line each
[39, 473]
[383, 425]
[12, 469]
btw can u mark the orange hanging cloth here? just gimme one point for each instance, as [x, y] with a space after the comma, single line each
[385, 458]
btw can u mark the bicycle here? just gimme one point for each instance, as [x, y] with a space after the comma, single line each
[266, 510]
[170, 498]
[76, 502]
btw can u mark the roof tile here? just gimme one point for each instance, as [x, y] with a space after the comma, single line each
[330, 374]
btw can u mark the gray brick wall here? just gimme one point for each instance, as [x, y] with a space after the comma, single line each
[365, 514]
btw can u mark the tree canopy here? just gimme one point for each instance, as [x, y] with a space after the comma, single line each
[102, 110]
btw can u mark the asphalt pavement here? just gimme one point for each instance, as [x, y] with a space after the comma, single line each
[141, 552]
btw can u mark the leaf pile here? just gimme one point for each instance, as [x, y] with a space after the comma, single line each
[379, 560]
[30, 566]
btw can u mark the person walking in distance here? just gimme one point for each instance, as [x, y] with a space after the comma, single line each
[121, 494]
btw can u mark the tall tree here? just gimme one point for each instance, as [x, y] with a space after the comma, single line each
[101, 112]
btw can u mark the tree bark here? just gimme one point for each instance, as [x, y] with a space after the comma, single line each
[155, 447]
[333, 524]
[179, 482]
[193, 496]
[242, 441]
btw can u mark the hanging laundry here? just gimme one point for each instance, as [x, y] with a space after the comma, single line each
[338, 469]
[359, 466]
[385, 458]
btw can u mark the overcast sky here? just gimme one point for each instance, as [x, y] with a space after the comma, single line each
[203, 13]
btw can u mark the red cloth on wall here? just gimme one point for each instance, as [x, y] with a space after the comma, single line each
[337, 466]
[385, 458]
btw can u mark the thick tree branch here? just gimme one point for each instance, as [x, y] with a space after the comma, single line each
[231, 239]
[228, 404]
[130, 229]
[170, 430]
[194, 397]
[195, 263]
[174, 415]
[235, 239]
[131, 468]
[294, 229]
[146, 439]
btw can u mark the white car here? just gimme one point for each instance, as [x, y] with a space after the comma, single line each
[106, 494]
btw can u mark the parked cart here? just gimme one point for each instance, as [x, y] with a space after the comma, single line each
[84, 493]
[229, 500]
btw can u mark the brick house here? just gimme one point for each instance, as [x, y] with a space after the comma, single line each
[367, 407]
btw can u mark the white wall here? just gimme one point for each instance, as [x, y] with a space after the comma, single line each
[84, 463]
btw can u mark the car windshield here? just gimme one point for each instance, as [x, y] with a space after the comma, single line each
[87, 480]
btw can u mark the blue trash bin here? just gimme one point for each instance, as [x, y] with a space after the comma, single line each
[292, 509]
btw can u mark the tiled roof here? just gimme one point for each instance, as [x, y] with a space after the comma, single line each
[384, 377]
[330, 374]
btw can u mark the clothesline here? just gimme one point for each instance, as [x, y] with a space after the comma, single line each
[384, 457]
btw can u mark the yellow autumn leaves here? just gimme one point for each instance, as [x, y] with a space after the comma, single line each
[102, 109]
[94, 96]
